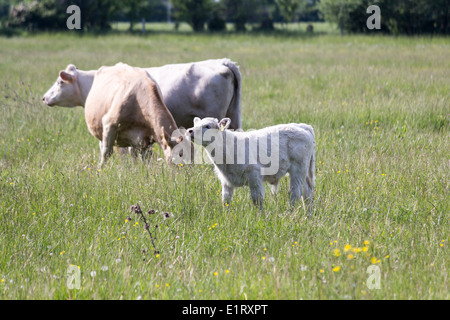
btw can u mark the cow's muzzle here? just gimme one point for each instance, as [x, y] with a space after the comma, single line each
[44, 100]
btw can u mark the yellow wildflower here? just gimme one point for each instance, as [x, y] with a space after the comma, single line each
[336, 269]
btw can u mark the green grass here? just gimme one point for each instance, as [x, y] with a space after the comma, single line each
[380, 110]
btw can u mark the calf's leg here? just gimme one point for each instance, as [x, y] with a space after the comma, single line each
[297, 175]
[256, 189]
[227, 193]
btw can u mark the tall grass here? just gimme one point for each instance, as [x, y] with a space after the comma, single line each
[380, 110]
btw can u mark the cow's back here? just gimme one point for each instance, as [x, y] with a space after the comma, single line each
[198, 89]
[114, 94]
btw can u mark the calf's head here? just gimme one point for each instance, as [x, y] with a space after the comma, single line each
[65, 92]
[206, 127]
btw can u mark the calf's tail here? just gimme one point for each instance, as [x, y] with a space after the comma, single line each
[311, 178]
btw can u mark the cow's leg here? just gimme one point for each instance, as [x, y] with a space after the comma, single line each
[121, 151]
[100, 146]
[256, 188]
[227, 194]
[146, 153]
[107, 144]
[143, 153]
[134, 152]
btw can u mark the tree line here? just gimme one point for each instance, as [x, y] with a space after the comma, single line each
[397, 16]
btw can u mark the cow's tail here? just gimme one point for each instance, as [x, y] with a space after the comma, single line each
[234, 109]
[311, 177]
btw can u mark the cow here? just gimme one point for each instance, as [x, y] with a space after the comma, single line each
[204, 88]
[249, 158]
[122, 107]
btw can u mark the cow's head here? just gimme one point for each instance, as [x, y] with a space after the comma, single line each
[206, 128]
[65, 92]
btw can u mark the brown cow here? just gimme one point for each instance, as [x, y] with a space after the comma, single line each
[124, 107]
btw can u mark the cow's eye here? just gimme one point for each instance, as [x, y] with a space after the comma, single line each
[207, 127]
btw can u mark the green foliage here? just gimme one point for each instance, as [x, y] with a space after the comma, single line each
[97, 14]
[289, 9]
[135, 10]
[38, 15]
[217, 21]
[397, 17]
[242, 11]
[413, 17]
[338, 11]
[51, 14]
[195, 12]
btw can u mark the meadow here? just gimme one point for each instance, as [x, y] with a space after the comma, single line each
[380, 110]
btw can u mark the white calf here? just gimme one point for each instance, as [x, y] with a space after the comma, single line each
[249, 158]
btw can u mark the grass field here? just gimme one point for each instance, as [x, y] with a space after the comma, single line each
[380, 110]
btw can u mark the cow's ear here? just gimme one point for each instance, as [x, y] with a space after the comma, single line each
[196, 120]
[224, 123]
[66, 76]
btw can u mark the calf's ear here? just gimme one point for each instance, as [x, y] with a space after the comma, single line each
[224, 123]
[196, 120]
[66, 76]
